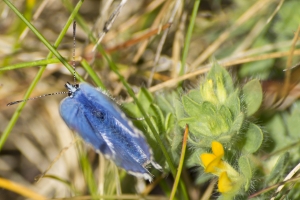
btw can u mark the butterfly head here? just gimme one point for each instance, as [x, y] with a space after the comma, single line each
[71, 88]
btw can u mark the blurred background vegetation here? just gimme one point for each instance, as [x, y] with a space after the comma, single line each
[252, 39]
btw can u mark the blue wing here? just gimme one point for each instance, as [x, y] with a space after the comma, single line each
[117, 124]
[73, 114]
[102, 124]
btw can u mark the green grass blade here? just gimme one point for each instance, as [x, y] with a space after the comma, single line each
[188, 37]
[16, 114]
[30, 64]
[92, 74]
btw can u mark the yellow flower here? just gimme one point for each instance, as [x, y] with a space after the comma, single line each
[229, 179]
[213, 161]
[224, 184]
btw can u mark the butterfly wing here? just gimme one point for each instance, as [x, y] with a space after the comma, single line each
[103, 125]
[120, 128]
[73, 113]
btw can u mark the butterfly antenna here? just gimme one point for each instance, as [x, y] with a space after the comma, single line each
[55, 93]
[73, 56]
[33, 98]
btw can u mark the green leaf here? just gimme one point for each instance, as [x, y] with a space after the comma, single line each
[253, 137]
[155, 125]
[252, 96]
[279, 169]
[207, 111]
[179, 109]
[191, 107]
[237, 124]
[131, 110]
[176, 141]
[206, 115]
[145, 98]
[157, 115]
[164, 104]
[195, 127]
[195, 95]
[169, 122]
[245, 168]
[218, 121]
[233, 103]
[224, 117]
[276, 126]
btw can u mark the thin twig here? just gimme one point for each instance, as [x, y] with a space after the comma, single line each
[35, 16]
[184, 143]
[225, 64]
[253, 10]
[161, 43]
[288, 177]
[108, 24]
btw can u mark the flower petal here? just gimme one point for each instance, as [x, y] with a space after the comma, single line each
[224, 184]
[217, 148]
[215, 166]
[207, 158]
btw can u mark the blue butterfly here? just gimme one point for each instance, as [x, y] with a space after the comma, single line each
[99, 121]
